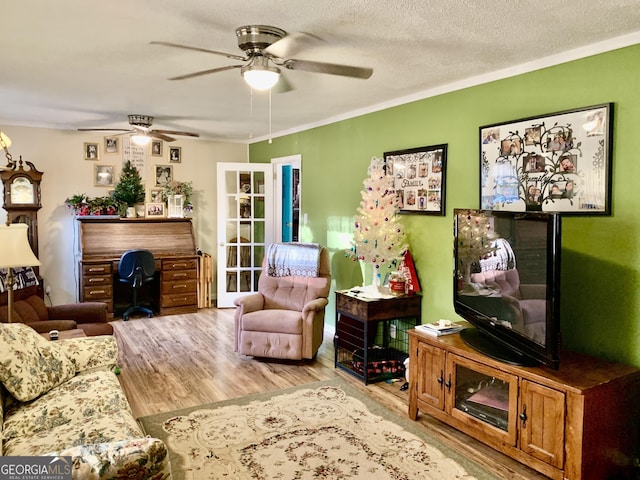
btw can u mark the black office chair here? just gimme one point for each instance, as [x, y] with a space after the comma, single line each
[136, 268]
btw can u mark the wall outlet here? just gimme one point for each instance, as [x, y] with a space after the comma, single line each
[47, 290]
[392, 330]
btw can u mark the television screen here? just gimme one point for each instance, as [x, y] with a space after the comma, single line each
[506, 283]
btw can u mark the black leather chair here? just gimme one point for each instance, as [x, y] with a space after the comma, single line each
[136, 268]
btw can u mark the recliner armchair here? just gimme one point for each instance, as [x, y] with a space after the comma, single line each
[285, 318]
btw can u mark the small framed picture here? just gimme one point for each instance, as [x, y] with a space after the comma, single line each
[155, 195]
[91, 151]
[103, 175]
[156, 148]
[111, 145]
[175, 154]
[164, 175]
[154, 209]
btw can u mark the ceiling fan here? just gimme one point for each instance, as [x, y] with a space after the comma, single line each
[264, 50]
[142, 127]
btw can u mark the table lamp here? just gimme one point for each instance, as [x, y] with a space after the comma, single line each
[15, 252]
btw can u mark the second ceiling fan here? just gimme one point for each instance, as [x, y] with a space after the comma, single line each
[264, 50]
[141, 125]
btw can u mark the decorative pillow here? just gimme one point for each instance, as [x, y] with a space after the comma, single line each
[29, 364]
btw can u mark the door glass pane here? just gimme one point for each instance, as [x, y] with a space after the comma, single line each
[231, 182]
[483, 397]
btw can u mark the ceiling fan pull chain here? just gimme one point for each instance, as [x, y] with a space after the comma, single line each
[270, 139]
[251, 111]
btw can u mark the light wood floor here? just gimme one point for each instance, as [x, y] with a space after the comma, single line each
[179, 361]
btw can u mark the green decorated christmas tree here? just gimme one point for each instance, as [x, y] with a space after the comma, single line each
[129, 188]
[379, 238]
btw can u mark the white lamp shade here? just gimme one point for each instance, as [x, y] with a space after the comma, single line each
[261, 79]
[140, 139]
[15, 250]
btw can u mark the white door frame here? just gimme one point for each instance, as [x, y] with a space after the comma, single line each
[296, 162]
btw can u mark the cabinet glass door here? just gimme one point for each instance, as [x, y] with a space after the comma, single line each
[484, 396]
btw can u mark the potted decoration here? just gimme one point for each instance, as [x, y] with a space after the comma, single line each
[129, 189]
[78, 204]
[178, 197]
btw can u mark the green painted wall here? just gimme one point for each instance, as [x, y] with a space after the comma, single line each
[600, 267]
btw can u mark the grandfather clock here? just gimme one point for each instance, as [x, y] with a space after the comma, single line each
[22, 198]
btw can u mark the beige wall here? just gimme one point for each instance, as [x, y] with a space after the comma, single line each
[59, 154]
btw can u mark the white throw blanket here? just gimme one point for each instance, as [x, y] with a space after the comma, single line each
[293, 259]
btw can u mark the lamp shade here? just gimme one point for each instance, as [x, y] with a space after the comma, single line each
[15, 250]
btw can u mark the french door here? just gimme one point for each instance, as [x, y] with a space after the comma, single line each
[245, 227]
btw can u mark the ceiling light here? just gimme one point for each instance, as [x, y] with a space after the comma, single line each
[5, 143]
[141, 139]
[259, 75]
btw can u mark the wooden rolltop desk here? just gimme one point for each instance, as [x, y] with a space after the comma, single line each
[102, 241]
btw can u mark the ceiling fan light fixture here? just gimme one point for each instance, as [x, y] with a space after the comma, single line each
[259, 75]
[140, 139]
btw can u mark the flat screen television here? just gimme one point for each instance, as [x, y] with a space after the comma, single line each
[507, 284]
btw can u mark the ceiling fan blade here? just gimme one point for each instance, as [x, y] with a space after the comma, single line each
[291, 44]
[160, 136]
[283, 85]
[331, 68]
[205, 72]
[103, 130]
[175, 132]
[198, 49]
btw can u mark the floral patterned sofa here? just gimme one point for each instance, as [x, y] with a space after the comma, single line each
[63, 399]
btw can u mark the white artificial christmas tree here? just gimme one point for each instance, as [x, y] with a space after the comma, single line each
[379, 239]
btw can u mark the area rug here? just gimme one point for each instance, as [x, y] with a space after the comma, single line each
[325, 430]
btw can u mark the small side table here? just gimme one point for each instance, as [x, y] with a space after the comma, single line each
[371, 340]
[66, 334]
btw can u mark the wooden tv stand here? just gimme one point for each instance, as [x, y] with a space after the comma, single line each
[578, 422]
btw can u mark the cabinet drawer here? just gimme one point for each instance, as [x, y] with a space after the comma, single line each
[178, 300]
[179, 264]
[179, 275]
[96, 269]
[97, 293]
[180, 287]
[90, 280]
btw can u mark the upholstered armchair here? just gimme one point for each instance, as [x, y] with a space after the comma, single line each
[526, 302]
[285, 318]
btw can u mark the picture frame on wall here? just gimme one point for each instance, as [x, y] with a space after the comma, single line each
[175, 154]
[103, 175]
[419, 178]
[111, 145]
[164, 175]
[155, 148]
[91, 151]
[559, 162]
[155, 195]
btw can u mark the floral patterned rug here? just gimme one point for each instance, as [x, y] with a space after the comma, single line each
[322, 430]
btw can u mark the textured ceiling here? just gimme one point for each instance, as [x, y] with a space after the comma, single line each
[72, 64]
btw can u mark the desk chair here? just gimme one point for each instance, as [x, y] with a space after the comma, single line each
[136, 268]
